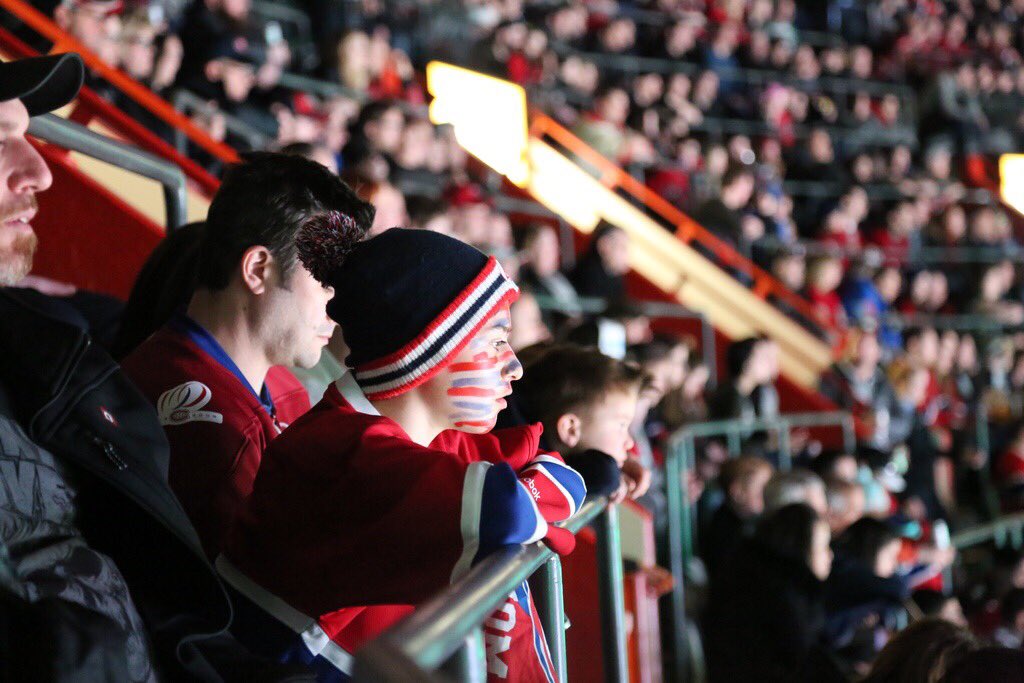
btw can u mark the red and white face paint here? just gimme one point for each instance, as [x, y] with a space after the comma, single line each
[473, 387]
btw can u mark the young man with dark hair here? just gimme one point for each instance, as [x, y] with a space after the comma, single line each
[102, 577]
[394, 485]
[214, 372]
[722, 215]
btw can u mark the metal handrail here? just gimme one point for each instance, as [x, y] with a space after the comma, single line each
[652, 309]
[913, 254]
[65, 42]
[72, 136]
[633, 64]
[680, 458]
[963, 322]
[186, 101]
[881, 191]
[447, 628]
[1007, 528]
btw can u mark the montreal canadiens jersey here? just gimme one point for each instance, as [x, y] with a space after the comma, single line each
[217, 426]
[350, 524]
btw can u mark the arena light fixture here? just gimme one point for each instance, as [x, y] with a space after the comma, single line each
[487, 113]
[1011, 180]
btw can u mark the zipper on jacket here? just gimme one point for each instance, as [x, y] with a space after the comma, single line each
[110, 451]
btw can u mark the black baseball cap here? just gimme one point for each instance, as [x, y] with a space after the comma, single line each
[42, 83]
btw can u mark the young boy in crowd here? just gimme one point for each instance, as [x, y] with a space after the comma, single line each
[214, 371]
[393, 485]
[586, 402]
[742, 480]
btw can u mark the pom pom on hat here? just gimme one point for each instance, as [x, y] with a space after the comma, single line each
[325, 240]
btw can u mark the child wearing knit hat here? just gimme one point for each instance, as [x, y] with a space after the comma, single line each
[395, 484]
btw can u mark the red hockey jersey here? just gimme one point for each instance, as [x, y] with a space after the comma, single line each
[352, 523]
[216, 425]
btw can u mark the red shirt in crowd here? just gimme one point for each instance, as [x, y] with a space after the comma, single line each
[217, 426]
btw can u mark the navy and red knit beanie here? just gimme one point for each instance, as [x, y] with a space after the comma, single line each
[408, 301]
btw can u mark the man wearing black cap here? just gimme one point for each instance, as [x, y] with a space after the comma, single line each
[101, 574]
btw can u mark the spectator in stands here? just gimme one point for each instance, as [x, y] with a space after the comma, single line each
[846, 502]
[922, 652]
[604, 127]
[742, 480]
[749, 365]
[953, 104]
[1010, 469]
[400, 419]
[1011, 631]
[214, 371]
[428, 213]
[992, 301]
[859, 384]
[789, 266]
[540, 273]
[586, 402]
[769, 603]
[388, 202]
[528, 326]
[835, 466]
[864, 582]
[722, 214]
[824, 276]
[795, 486]
[103, 576]
[378, 130]
[933, 603]
[995, 664]
[601, 270]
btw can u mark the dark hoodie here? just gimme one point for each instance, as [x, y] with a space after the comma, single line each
[766, 620]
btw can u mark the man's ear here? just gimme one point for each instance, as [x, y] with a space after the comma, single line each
[569, 429]
[257, 269]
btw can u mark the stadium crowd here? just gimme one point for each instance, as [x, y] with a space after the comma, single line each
[848, 167]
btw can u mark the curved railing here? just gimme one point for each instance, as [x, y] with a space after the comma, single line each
[1006, 530]
[680, 459]
[446, 631]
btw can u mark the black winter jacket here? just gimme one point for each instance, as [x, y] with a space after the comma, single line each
[766, 621]
[72, 399]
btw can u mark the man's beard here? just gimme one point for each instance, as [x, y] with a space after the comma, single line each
[16, 259]
[16, 256]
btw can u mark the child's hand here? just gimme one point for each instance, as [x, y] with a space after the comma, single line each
[659, 580]
[636, 477]
[620, 493]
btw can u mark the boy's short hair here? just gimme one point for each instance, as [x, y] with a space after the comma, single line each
[564, 378]
[741, 470]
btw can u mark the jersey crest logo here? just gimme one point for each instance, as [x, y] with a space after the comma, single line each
[184, 403]
[108, 416]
